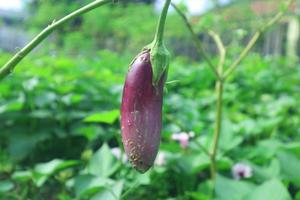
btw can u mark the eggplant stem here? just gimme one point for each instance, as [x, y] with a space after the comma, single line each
[159, 35]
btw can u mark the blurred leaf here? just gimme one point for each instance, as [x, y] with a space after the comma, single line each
[229, 138]
[110, 193]
[14, 105]
[22, 176]
[272, 189]
[293, 147]
[229, 189]
[290, 165]
[54, 166]
[6, 186]
[44, 170]
[22, 143]
[259, 152]
[267, 173]
[87, 185]
[45, 98]
[90, 132]
[143, 179]
[103, 163]
[297, 197]
[105, 117]
[41, 114]
[197, 196]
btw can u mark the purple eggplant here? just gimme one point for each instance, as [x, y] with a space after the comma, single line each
[141, 113]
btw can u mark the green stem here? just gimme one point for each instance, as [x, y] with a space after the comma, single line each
[197, 42]
[11, 64]
[217, 131]
[219, 104]
[159, 35]
[254, 39]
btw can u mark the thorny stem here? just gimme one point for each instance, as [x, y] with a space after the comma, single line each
[159, 35]
[11, 64]
[198, 44]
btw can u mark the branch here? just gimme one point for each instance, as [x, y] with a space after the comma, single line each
[221, 49]
[11, 64]
[253, 40]
[219, 104]
[198, 44]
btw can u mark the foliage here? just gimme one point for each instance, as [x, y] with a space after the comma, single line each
[59, 122]
[122, 28]
[59, 113]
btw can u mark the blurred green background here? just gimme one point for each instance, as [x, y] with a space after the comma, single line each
[59, 110]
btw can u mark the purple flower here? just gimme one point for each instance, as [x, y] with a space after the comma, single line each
[183, 138]
[241, 170]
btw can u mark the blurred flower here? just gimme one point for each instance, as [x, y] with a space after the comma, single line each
[116, 151]
[240, 170]
[160, 159]
[183, 138]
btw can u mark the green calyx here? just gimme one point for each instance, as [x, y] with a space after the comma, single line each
[160, 56]
[160, 59]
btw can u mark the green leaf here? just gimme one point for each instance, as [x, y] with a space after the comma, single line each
[15, 105]
[229, 138]
[229, 189]
[91, 132]
[6, 186]
[289, 164]
[105, 117]
[272, 189]
[22, 175]
[269, 172]
[54, 165]
[110, 193]
[293, 147]
[22, 143]
[87, 185]
[43, 171]
[103, 163]
[297, 197]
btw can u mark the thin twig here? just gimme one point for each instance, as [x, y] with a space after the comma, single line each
[198, 44]
[253, 40]
[11, 64]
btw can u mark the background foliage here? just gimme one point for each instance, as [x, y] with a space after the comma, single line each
[59, 114]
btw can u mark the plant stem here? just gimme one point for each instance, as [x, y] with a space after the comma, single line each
[254, 39]
[217, 130]
[159, 35]
[11, 64]
[198, 44]
[219, 104]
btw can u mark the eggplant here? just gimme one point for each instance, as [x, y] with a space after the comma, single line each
[141, 113]
[141, 109]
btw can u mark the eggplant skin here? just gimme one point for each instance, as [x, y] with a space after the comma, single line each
[141, 113]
